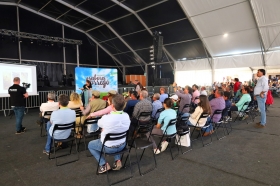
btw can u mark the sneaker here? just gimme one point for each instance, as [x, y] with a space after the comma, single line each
[46, 152]
[244, 117]
[104, 168]
[19, 132]
[156, 151]
[164, 145]
[229, 119]
[23, 129]
[117, 165]
[259, 126]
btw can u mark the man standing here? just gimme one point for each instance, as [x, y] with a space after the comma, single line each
[163, 95]
[195, 94]
[18, 95]
[260, 93]
[62, 116]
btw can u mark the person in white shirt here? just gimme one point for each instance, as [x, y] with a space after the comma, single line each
[260, 94]
[115, 122]
[51, 105]
[203, 91]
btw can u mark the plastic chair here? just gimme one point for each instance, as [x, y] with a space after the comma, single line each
[64, 127]
[243, 111]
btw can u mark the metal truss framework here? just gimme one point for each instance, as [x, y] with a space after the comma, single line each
[39, 37]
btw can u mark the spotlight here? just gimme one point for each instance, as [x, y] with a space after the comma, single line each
[31, 41]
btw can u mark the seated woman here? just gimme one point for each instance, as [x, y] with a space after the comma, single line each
[202, 107]
[164, 117]
[75, 101]
[245, 98]
[102, 112]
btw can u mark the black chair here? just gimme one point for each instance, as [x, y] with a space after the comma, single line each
[182, 129]
[216, 125]
[79, 114]
[226, 120]
[115, 137]
[86, 135]
[169, 137]
[185, 106]
[43, 124]
[142, 144]
[196, 126]
[242, 112]
[64, 127]
[155, 118]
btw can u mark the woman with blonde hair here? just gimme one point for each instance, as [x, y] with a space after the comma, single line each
[75, 101]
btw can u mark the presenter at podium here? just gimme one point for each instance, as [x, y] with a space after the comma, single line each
[86, 92]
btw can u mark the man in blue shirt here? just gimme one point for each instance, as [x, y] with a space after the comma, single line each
[156, 105]
[163, 95]
[228, 104]
[131, 103]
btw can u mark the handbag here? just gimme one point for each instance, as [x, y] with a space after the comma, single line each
[184, 140]
[92, 128]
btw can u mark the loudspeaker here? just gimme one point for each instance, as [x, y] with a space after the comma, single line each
[158, 44]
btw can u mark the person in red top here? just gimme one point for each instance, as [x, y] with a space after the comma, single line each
[236, 85]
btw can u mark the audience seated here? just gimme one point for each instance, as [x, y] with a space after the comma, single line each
[163, 120]
[115, 122]
[75, 101]
[94, 105]
[62, 116]
[185, 98]
[51, 105]
[218, 103]
[156, 105]
[102, 112]
[245, 98]
[163, 95]
[227, 103]
[175, 100]
[131, 103]
[212, 94]
[202, 107]
[195, 94]
[143, 105]
[203, 91]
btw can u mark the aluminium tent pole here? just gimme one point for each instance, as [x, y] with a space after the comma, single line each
[97, 57]
[124, 79]
[78, 56]
[64, 57]
[19, 48]
[146, 74]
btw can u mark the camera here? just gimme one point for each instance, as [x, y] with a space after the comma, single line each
[26, 85]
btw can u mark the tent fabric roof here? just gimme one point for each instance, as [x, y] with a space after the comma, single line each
[191, 29]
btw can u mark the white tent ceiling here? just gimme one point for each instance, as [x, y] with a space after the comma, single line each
[229, 27]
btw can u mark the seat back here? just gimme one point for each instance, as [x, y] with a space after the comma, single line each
[245, 106]
[172, 122]
[157, 113]
[144, 114]
[115, 136]
[202, 115]
[216, 112]
[185, 106]
[47, 113]
[62, 127]
[181, 123]
[91, 121]
[77, 111]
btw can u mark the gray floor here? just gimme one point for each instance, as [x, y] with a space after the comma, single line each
[248, 156]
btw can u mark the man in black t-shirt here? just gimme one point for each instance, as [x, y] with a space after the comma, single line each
[18, 95]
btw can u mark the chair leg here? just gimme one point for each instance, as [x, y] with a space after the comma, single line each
[138, 163]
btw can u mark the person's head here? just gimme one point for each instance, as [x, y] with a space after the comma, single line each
[194, 87]
[156, 96]
[118, 102]
[261, 72]
[143, 94]
[204, 104]
[228, 88]
[63, 100]
[88, 83]
[187, 90]
[202, 88]
[245, 90]
[162, 90]
[134, 95]
[74, 97]
[167, 103]
[236, 79]
[174, 98]
[219, 92]
[17, 80]
[135, 82]
[112, 93]
[96, 94]
[130, 92]
[51, 96]
[226, 95]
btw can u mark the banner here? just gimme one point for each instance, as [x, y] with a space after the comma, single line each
[102, 79]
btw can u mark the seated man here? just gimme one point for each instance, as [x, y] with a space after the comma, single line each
[218, 103]
[195, 94]
[203, 91]
[185, 98]
[115, 122]
[163, 95]
[245, 98]
[51, 105]
[156, 105]
[131, 103]
[143, 105]
[62, 116]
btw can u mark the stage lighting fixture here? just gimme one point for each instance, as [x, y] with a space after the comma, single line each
[31, 41]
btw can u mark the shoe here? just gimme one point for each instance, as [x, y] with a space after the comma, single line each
[19, 132]
[156, 151]
[117, 165]
[229, 119]
[104, 168]
[23, 129]
[244, 117]
[164, 145]
[46, 152]
[258, 123]
[260, 126]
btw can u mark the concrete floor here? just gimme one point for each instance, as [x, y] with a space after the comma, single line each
[247, 156]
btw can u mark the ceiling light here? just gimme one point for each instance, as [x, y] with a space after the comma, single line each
[225, 35]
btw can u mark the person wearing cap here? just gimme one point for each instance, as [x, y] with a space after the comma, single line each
[156, 105]
[174, 99]
[94, 105]
[203, 91]
[112, 93]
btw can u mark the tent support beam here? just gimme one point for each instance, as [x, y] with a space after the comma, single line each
[18, 29]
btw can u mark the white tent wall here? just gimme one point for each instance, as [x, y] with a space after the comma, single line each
[199, 77]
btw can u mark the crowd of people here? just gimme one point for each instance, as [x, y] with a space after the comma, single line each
[122, 113]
